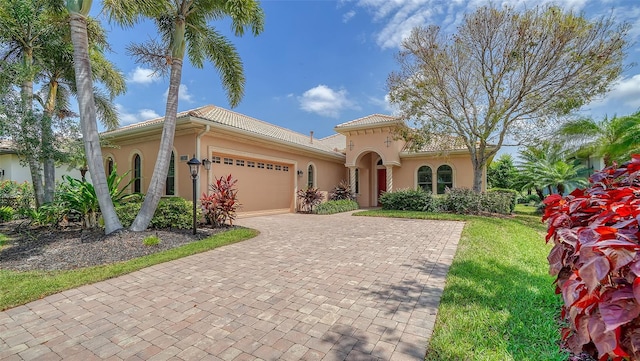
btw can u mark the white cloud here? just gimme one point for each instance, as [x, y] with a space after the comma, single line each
[326, 101]
[626, 92]
[183, 94]
[347, 16]
[385, 104]
[143, 76]
[398, 17]
[127, 118]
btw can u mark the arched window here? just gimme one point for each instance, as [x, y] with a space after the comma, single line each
[137, 174]
[170, 186]
[109, 167]
[310, 176]
[425, 178]
[445, 178]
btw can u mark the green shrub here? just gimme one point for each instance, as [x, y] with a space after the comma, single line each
[406, 200]
[466, 201]
[529, 198]
[497, 202]
[151, 241]
[174, 212]
[512, 193]
[18, 196]
[331, 207]
[80, 197]
[6, 213]
[128, 212]
[462, 201]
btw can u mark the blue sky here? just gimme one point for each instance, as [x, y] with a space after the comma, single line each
[320, 63]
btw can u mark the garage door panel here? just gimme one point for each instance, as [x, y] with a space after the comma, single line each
[262, 185]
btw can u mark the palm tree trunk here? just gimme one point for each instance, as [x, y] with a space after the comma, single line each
[47, 144]
[161, 168]
[88, 122]
[32, 150]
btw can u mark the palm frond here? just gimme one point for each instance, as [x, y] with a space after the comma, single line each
[227, 60]
[105, 109]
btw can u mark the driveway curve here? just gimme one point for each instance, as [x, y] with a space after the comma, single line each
[307, 288]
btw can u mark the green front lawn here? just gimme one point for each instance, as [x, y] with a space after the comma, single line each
[17, 288]
[499, 302]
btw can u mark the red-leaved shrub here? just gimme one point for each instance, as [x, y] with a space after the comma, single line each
[221, 205]
[309, 198]
[597, 263]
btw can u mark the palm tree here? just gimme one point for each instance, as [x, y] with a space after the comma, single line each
[25, 27]
[560, 175]
[78, 11]
[58, 78]
[532, 157]
[183, 26]
[612, 139]
[544, 166]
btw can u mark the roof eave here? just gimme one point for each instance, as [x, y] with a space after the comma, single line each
[341, 129]
[408, 154]
[214, 125]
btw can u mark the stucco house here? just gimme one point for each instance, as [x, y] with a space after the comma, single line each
[271, 163]
[13, 170]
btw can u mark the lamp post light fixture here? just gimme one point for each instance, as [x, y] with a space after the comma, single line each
[83, 172]
[194, 168]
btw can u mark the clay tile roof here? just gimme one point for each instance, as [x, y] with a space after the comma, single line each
[440, 143]
[7, 146]
[374, 119]
[242, 122]
[337, 142]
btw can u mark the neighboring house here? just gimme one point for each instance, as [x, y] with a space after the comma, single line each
[271, 163]
[12, 169]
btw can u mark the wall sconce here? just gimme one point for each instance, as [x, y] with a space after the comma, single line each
[1, 172]
[206, 163]
[351, 145]
[300, 173]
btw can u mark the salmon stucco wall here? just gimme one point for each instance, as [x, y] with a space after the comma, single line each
[258, 188]
[259, 183]
[406, 176]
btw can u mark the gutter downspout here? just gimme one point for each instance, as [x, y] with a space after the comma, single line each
[198, 146]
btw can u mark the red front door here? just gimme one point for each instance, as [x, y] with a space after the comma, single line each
[382, 182]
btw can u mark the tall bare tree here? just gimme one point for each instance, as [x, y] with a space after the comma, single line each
[505, 73]
[184, 27]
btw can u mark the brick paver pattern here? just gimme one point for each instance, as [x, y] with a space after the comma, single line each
[307, 288]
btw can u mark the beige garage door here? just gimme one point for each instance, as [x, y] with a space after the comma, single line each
[262, 185]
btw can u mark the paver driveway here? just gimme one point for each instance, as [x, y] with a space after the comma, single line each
[308, 288]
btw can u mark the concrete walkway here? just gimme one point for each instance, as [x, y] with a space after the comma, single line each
[308, 288]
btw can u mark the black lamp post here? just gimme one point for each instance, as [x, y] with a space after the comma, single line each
[83, 171]
[194, 167]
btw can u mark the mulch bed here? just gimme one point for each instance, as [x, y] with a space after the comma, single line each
[50, 249]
